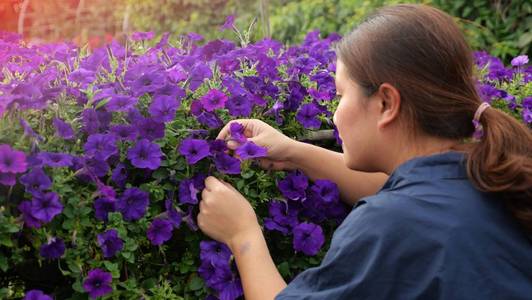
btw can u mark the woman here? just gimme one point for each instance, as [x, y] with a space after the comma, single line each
[453, 219]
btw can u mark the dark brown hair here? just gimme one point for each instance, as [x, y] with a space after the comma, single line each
[422, 52]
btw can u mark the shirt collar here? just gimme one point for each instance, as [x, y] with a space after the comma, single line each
[449, 165]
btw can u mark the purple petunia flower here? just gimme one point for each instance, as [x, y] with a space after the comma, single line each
[283, 217]
[236, 131]
[218, 254]
[95, 166]
[151, 129]
[45, 206]
[213, 99]
[102, 207]
[55, 160]
[227, 164]
[189, 188]
[8, 179]
[174, 216]
[98, 283]
[308, 238]
[199, 72]
[29, 220]
[36, 180]
[294, 185]
[194, 150]
[520, 60]
[145, 155]
[250, 150]
[163, 108]
[101, 145]
[217, 146]
[239, 106]
[119, 175]
[307, 116]
[326, 190]
[55, 248]
[148, 83]
[12, 161]
[110, 242]
[139, 35]
[63, 129]
[160, 231]
[229, 23]
[125, 132]
[133, 204]
[36, 295]
[121, 103]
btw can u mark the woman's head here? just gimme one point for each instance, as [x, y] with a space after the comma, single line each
[406, 79]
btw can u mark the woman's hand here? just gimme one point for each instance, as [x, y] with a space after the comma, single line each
[225, 215]
[279, 145]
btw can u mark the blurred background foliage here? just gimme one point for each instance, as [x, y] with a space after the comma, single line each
[502, 28]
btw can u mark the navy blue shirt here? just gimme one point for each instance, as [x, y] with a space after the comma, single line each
[427, 234]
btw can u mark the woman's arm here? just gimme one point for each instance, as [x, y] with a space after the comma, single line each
[226, 216]
[258, 273]
[320, 163]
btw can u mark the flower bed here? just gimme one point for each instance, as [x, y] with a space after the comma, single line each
[103, 157]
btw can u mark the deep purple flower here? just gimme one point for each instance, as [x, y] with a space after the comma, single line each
[283, 217]
[174, 216]
[160, 231]
[229, 23]
[227, 164]
[326, 190]
[239, 106]
[236, 131]
[36, 295]
[96, 166]
[148, 83]
[215, 252]
[55, 160]
[250, 150]
[119, 175]
[55, 248]
[188, 192]
[308, 238]
[213, 99]
[133, 204]
[12, 161]
[210, 119]
[163, 108]
[8, 179]
[101, 145]
[110, 242]
[151, 129]
[293, 186]
[27, 215]
[200, 71]
[520, 60]
[121, 103]
[307, 116]
[45, 206]
[95, 121]
[125, 132]
[63, 129]
[139, 35]
[98, 283]
[102, 207]
[145, 155]
[194, 150]
[217, 146]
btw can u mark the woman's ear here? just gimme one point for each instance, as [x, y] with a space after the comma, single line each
[390, 102]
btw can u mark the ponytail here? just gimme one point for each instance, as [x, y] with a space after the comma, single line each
[501, 163]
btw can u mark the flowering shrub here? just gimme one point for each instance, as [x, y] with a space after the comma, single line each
[103, 156]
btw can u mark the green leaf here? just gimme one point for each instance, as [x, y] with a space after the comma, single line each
[195, 283]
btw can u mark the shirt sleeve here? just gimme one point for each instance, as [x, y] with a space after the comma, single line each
[383, 249]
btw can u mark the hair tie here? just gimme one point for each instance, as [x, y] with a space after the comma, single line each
[479, 130]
